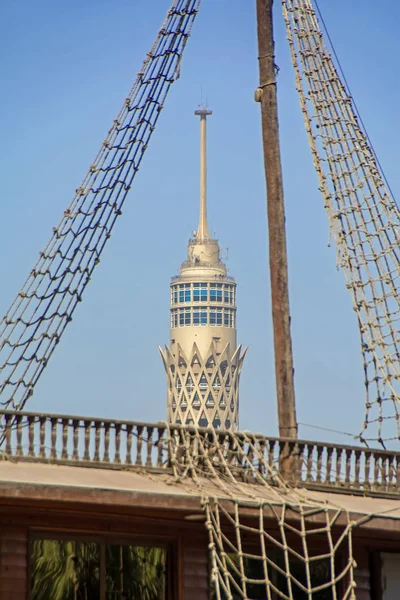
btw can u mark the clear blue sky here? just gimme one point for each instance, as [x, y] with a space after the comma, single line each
[65, 70]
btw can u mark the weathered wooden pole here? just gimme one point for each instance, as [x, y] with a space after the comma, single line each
[266, 94]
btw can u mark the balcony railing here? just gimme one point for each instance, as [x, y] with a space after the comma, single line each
[114, 444]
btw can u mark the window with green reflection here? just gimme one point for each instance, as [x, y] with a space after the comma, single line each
[88, 570]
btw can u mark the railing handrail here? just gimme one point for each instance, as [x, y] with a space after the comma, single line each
[117, 443]
[204, 430]
[60, 416]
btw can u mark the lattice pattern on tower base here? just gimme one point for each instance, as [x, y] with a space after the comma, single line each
[363, 215]
[203, 390]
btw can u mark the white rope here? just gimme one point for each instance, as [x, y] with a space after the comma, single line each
[265, 537]
[363, 216]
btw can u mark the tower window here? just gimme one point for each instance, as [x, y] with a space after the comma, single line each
[200, 292]
[184, 316]
[216, 292]
[174, 295]
[229, 317]
[228, 294]
[184, 292]
[215, 316]
[199, 316]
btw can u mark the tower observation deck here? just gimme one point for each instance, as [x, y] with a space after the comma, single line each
[203, 362]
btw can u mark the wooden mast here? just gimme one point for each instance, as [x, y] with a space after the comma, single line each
[266, 94]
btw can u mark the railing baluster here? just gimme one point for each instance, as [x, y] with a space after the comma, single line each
[300, 447]
[31, 436]
[139, 446]
[64, 438]
[19, 426]
[357, 468]
[320, 451]
[75, 439]
[149, 446]
[329, 465]
[117, 458]
[339, 462]
[310, 452]
[129, 438]
[97, 435]
[367, 471]
[106, 442]
[386, 474]
[7, 427]
[42, 436]
[160, 446]
[348, 457]
[376, 472]
[53, 437]
[87, 427]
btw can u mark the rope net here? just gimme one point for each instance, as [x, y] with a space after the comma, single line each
[363, 216]
[34, 323]
[266, 539]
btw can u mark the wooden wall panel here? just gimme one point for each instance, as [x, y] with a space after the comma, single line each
[362, 573]
[195, 571]
[13, 563]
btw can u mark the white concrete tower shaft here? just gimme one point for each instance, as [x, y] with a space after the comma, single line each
[203, 362]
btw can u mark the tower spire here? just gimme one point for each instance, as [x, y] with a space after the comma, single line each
[202, 231]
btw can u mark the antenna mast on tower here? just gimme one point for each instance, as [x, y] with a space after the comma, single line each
[202, 231]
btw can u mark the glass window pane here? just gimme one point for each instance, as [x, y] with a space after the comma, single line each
[174, 318]
[64, 569]
[135, 572]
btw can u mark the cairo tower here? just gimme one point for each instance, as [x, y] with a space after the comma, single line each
[203, 362]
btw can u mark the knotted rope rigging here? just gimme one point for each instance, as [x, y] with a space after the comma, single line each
[363, 215]
[34, 323]
[266, 538]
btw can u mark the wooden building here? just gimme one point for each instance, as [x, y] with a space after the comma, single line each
[95, 488]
